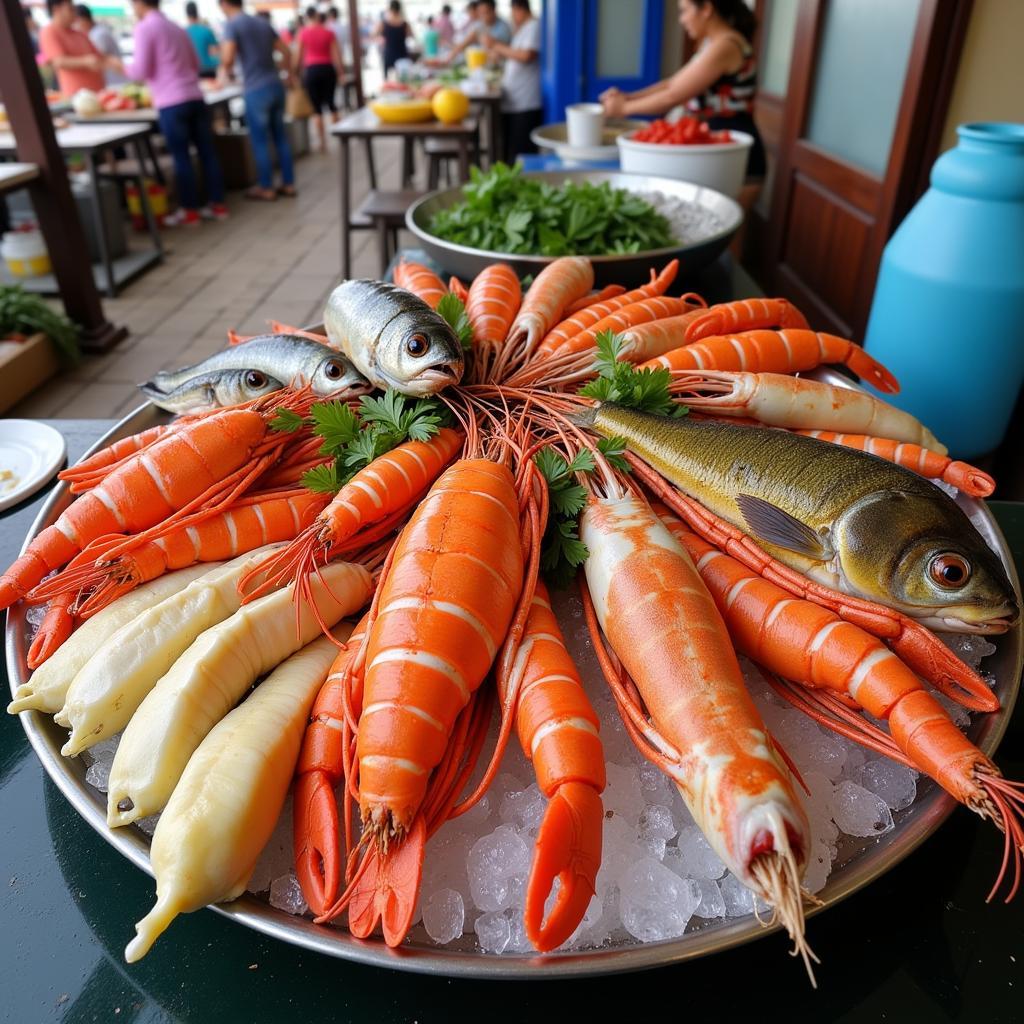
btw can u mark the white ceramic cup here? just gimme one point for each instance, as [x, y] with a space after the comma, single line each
[585, 124]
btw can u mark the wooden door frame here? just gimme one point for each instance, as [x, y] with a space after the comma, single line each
[931, 70]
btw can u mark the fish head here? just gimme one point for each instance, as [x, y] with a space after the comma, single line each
[335, 374]
[418, 354]
[214, 390]
[921, 554]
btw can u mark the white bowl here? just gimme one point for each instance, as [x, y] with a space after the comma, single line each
[718, 165]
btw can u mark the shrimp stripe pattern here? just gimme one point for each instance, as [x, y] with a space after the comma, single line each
[597, 309]
[421, 281]
[969, 479]
[100, 463]
[609, 291]
[143, 492]
[442, 613]
[249, 523]
[555, 288]
[657, 308]
[764, 351]
[493, 302]
[746, 315]
[664, 627]
[558, 731]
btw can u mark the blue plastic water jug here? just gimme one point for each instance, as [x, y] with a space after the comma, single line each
[948, 311]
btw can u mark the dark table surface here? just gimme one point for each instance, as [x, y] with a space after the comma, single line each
[919, 944]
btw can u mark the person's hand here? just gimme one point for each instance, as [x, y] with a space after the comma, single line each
[610, 91]
[487, 41]
[93, 62]
[614, 103]
[290, 81]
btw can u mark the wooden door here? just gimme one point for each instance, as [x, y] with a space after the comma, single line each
[867, 95]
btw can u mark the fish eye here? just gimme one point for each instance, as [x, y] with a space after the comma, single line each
[333, 370]
[949, 570]
[255, 379]
[417, 344]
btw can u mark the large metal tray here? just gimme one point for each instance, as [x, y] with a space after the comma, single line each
[856, 866]
[631, 269]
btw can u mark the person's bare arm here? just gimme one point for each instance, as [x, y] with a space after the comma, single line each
[228, 49]
[523, 56]
[698, 74]
[286, 59]
[339, 64]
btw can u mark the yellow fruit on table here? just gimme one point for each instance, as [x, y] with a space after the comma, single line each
[450, 105]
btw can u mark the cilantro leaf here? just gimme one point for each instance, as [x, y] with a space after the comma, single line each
[613, 449]
[453, 310]
[336, 423]
[322, 479]
[287, 422]
[619, 381]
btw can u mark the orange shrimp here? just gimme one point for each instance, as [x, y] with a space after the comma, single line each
[443, 606]
[188, 474]
[458, 289]
[317, 773]
[609, 291]
[787, 351]
[657, 308]
[580, 320]
[249, 523]
[56, 626]
[703, 728]
[811, 645]
[380, 491]
[969, 479]
[558, 731]
[421, 281]
[555, 288]
[277, 327]
[746, 315]
[99, 464]
[493, 302]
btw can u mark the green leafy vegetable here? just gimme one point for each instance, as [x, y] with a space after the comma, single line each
[22, 313]
[621, 382]
[562, 551]
[286, 421]
[506, 212]
[322, 479]
[336, 423]
[453, 310]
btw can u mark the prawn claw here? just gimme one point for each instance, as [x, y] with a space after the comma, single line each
[568, 848]
[317, 852]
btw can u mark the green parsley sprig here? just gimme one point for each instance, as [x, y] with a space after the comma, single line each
[453, 310]
[621, 382]
[355, 439]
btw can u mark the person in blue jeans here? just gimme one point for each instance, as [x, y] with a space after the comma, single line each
[255, 43]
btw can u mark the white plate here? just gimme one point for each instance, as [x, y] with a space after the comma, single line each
[32, 452]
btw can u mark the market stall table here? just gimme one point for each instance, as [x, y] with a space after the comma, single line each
[14, 176]
[90, 141]
[918, 944]
[364, 124]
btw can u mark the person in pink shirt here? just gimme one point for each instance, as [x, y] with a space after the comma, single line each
[166, 61]
[320, 59]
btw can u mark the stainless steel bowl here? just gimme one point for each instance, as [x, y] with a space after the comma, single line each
[858, 862]
[630, 270]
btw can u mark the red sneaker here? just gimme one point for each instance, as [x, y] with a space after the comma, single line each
[215, 211]
[190, 218]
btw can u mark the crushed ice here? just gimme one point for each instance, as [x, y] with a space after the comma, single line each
[659, 875]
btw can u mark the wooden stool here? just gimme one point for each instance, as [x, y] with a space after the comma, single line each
[441, 153]
[386, 212]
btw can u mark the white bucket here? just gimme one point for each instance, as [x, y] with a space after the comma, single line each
[718, 165]
[25, 253]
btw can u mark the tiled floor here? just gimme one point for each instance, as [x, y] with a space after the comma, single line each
[267, 261]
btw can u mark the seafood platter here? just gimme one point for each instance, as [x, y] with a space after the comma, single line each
[625, 223]
[510, 631]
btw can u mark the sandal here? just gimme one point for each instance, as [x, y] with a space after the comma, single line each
[288, 191]
[263, 195]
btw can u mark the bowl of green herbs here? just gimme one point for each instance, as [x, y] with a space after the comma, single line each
[625, 223]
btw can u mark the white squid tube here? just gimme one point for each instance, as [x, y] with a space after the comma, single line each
[209, 679]
[110, 687]
[47, 687]
[225, 806]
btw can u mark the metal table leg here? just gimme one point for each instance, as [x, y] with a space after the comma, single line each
[158, 174]
[493, 155]
[463, 158]
[383, 243]
[370, 165]
[100, 225]
[346, 203]
[147, 210]
[408, 166]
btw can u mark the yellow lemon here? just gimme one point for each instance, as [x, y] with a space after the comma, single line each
[450, 105]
